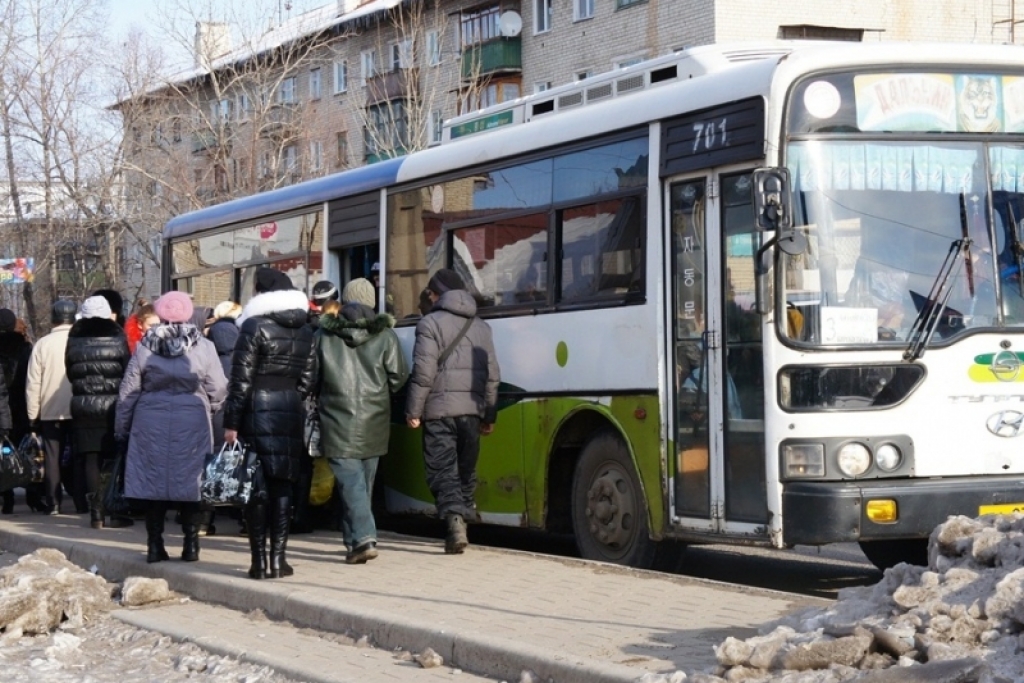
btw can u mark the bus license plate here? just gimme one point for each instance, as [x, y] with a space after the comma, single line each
[1004, 509]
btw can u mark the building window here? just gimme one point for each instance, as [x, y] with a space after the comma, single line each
[176, 130]
[286, 93]
[242, 107]
[542, 16]
[541, 86]
[340, 77]
[629, 61]
[480, 26]
[582, 75]
[583, 9]
[433, 48]
[290, 159]
[619, 4]
[436, 124]
[400, 55]
[316, 155]
[341, 151]
[809, 32]
[368, 64]
[388, 130]
[315, 91]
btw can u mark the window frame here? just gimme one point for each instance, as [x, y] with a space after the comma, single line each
[340, 76]
[543, 16]
[580, 10]
[287, 91]
[316, 88]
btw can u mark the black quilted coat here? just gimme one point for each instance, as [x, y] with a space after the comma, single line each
[273, 369]
[96, 357]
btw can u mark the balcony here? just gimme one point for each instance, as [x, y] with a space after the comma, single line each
[501, 55]
[391, 85]
[210, 141]
[281, 121]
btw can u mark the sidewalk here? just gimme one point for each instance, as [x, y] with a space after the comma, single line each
[489, 611]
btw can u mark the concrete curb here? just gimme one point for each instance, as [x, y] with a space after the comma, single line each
[280, 600]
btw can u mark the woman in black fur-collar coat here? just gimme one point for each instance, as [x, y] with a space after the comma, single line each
[96, 357]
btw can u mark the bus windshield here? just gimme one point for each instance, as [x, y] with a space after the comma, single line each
[881, 217]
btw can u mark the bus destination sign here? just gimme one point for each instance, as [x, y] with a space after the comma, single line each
[727, 134]
[502, 118]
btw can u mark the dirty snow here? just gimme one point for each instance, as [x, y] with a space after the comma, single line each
[57, 628]
[959, 619]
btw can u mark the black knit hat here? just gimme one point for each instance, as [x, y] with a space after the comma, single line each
[444, 280]
[7, 320]
[270, 280]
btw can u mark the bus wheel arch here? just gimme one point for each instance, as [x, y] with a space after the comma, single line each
[610, 518]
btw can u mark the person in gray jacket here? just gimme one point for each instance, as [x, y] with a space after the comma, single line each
[173, 383]
[453, 393]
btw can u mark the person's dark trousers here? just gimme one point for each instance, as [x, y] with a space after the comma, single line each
[87, 475]
[451, 446]
[55, 434]
[302, 522]
[156, 512]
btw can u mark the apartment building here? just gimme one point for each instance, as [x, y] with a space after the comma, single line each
[357, 81]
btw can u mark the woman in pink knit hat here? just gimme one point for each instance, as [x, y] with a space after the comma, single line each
[173, 384]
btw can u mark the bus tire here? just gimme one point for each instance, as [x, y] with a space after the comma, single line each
[889, 553]
[609, 514]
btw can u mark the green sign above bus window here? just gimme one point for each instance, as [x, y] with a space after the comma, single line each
[497, 120]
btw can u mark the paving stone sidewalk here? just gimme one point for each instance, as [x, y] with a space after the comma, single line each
[493, 612]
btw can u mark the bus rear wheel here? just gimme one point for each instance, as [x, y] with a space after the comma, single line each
[889, 553]
[609, 514]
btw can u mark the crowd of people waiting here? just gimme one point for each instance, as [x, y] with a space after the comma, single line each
[173, 383]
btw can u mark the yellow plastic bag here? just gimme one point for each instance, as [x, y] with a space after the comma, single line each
[323, 482]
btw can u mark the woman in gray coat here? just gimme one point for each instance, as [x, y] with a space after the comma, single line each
[173, 384]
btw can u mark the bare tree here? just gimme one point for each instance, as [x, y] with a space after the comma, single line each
[57, 143]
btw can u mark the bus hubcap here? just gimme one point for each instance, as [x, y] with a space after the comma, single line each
[610, 504]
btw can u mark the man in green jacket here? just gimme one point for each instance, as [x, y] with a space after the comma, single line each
[361, 364]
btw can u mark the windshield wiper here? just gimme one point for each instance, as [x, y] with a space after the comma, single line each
[934, 305]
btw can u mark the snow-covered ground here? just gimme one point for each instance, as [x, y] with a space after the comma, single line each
[959, 619]
[57, 628]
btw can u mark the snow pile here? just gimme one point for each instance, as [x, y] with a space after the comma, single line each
[44, 591]
[959, 619]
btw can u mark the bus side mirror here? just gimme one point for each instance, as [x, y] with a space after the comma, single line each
[772, 203]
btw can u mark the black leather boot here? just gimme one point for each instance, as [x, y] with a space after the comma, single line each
[95, 510]
[280, 518]
[155, 551]
[256, 522]
[190, 527]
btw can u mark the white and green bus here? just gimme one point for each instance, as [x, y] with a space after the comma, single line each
[761, 294]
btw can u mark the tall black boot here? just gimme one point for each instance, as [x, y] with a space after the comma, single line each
[280, 518]
[95, 510]
[155, 551]
[190, 527]
[256, 521]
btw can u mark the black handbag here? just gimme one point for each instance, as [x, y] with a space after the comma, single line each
[31, 451]
[234, 476]
[14, 470]
[114, 500]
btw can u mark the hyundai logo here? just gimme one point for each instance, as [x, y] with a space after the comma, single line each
[1005, 366]
[1007, 424]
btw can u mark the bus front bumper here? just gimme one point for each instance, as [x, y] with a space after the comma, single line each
[814, 513]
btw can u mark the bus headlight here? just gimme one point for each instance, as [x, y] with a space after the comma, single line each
[888, 457]
[854, 459]
[801, 460]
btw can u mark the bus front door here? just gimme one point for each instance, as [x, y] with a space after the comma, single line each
[718, 379]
